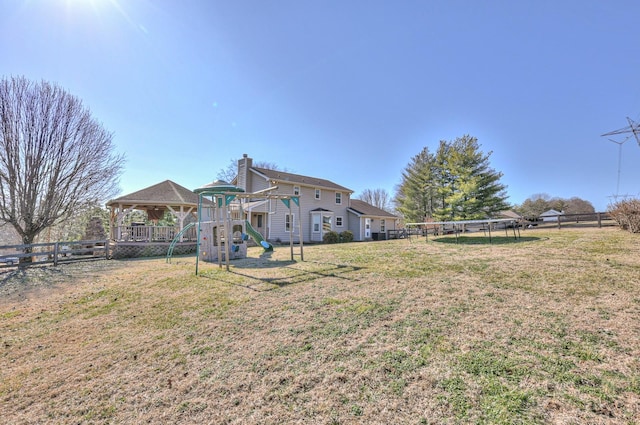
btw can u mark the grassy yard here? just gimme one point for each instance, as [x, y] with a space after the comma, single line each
[545, 330]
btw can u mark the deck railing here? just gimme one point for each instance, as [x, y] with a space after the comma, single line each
[151, 233]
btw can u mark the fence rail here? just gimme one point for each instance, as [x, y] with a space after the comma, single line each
[134, 233]
[597, 219]
[53, 252]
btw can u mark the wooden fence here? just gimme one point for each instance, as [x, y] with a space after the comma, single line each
[565, 221]
[53, 252]
[598, 219]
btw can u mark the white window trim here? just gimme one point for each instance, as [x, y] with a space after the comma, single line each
[296, 190]
[341, 221]
[317, 193]
[292, 222]
[319, 223]
[338, 193]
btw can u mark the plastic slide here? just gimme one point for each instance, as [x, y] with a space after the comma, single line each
[257, 237]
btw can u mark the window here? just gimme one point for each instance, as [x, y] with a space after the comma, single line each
[382, 226]
[326, 223]
[338, 198]
[288, 222]
[318, 194]
[296, 190]
[338, 221]
[259, 221]
[316, 223]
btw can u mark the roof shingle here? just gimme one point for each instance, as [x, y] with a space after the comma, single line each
[164, 193]
[363, 208]
[282, 176]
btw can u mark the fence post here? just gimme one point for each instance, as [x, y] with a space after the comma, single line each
[599, 220]
[55, 254]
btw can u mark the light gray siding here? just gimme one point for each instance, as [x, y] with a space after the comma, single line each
[356, 226]
[308, 203]
[275, 211]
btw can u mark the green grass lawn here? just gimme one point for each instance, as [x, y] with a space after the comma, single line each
[542, 330]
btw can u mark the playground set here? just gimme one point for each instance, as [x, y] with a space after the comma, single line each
[224, 227]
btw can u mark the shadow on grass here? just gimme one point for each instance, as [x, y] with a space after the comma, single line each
[484, 240]
[290, 273]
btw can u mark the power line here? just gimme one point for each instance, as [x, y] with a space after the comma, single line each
[633, 128]
[619, 160]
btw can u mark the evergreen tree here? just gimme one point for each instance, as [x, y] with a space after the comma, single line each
[457, 183]
[415, 196]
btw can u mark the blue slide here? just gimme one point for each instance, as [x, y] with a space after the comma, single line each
[257, 237]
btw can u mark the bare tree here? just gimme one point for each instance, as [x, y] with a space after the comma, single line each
[577, 205]
[230, 173]
[541, 202]
[377, 197]
[55, 159]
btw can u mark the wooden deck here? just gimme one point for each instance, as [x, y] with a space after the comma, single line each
[150, 234]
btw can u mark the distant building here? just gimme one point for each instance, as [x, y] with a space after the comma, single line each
[551, 215]
[509, 214]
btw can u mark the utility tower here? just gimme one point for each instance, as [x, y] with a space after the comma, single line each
[633, 128]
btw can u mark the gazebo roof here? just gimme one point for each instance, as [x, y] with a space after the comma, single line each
[164, 193]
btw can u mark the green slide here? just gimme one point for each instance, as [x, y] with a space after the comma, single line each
[257, 237]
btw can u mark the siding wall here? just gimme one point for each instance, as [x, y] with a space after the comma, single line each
[276, 221]
[243, 172]
[356, 226]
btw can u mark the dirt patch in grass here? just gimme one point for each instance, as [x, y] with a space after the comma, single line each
[540, 331]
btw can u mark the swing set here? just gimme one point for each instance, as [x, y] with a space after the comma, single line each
[224, 227]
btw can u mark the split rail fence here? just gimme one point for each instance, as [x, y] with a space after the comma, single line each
[52, 252]
[564, 221]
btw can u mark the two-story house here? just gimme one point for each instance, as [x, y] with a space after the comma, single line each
[324, 206]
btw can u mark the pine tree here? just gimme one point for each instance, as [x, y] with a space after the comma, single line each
[415, 195]
[457, 183]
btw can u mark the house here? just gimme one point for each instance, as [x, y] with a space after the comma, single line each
[509, 214]
[551, 215]
[367, 221]
[324, 206]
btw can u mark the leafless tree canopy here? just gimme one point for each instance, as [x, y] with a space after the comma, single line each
[377, 197]
[229, 173]
[541, 202]
[54, 157]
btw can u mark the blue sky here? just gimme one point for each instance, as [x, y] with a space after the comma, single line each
[346, 90]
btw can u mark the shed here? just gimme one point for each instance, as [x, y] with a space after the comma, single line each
[551, 215]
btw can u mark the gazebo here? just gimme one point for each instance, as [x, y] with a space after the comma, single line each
[155, 200]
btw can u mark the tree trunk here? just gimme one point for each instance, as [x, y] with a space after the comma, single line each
[27, 240]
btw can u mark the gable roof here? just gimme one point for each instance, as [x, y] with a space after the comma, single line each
[551, 213]
[509, 214]
[362, 208]
[164, 193]
[281, 176]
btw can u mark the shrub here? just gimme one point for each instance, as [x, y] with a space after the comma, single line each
[331, 237]
[346, 236]
[627, 214]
